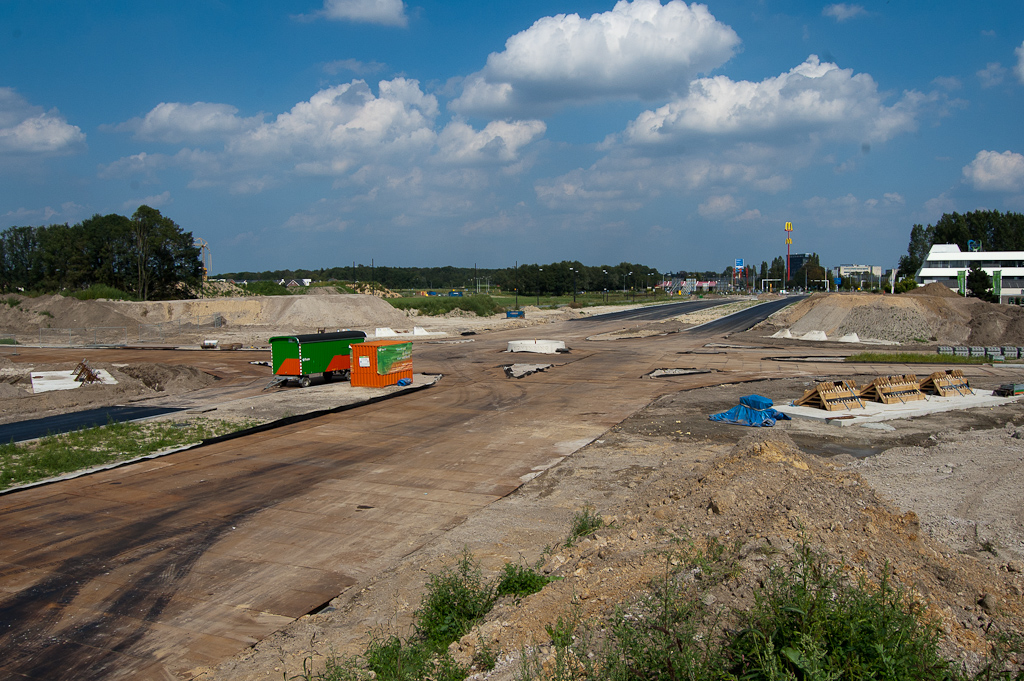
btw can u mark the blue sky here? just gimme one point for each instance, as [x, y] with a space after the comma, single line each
[317, 133]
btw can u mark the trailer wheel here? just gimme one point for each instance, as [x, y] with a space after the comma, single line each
[346, 375]
[328, 376]
[304, 381]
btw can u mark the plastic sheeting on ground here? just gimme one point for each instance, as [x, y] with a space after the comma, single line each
[753, 410]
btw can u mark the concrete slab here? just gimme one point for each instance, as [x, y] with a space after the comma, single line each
[45, 381]
[874, 412]
[548, 347]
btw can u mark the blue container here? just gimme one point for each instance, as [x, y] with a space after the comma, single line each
[515, 314]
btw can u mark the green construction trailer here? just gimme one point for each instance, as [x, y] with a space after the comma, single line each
[302, 355]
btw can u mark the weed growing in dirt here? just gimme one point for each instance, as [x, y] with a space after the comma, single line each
[455, 600]
[583, 523]
[520, 580]
[12, 302]
[808, 622]
[59, 454]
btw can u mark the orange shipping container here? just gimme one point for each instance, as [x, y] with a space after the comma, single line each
[377, 364]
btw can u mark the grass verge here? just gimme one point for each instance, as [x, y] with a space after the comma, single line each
[914, 358]
[56, 455]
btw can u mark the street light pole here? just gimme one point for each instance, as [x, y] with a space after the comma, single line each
[538, 285]
[573, 270]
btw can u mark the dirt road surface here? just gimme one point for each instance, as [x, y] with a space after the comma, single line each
[250, 559]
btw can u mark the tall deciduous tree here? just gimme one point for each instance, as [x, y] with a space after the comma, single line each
[979, 285]
[165, 256]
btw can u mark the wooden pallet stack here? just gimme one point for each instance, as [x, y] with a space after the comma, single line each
[948, 383]
[893, 389]
[83, 373]
[832, 396]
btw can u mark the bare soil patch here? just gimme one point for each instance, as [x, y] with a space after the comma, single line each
[668, 481]
[134, 382]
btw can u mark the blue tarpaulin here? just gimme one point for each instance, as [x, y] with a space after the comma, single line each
[753, 410]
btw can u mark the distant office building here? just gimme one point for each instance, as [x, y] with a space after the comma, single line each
[796, 261]
[945, 263]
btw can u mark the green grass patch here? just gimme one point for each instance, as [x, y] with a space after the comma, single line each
[914, 358]
[12, 302]
[433, 306]
[56, 455]
[97, 291]
[8, 341]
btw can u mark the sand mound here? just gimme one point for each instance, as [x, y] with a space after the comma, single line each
[133, 321]
[933, 289]
[931, 316]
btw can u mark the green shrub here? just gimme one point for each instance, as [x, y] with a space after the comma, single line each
[520, 580]
[97, 291]
[455, 600]
[394, 659]
[265, 288]
[433, 306]
[809, 623]
[12, 302]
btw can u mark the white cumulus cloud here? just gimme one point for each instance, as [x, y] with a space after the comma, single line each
[813, 98]
[637, 50]
[174, 122]
[26, 129]
[384, 12]
[717, 206]
[992, 171]
[498, 141]
[843, 12]
[339, 126]
[992, 75]
[378, 142]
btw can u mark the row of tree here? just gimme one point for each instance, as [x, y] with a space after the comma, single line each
[553, 278]
[990, 230]
[146, 255]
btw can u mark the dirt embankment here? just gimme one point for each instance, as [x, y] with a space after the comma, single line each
[922, 317]
[49, 318]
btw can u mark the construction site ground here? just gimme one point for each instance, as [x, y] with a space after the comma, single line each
[937, 498]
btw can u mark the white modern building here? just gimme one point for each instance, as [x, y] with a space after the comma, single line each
[855, 270]
[945, 262]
